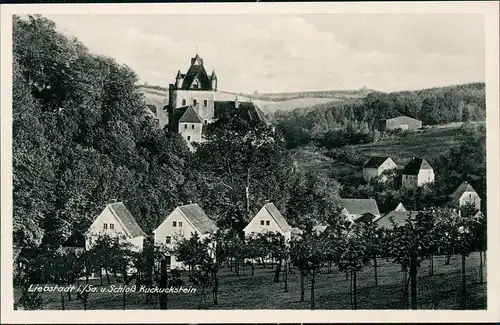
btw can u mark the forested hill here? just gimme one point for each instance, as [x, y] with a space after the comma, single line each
[81, 139]
[357, 121]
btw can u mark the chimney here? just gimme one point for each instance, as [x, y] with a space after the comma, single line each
[236, 103]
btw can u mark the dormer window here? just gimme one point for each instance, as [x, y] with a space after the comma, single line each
[196, 84]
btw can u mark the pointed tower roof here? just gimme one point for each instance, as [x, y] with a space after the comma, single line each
[197, 59]
[179, 75]
[213, 76]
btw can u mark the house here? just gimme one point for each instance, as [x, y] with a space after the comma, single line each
[417, 173]
[375, 166]
[75, 243]
[181, 223]
[464, 194]
[402, 123]
[116, 220]
[354, 209]
[268, 219]
[192, 103]
[400, 207]
[398, 217]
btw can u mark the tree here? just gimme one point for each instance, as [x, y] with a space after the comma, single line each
[307, 255]
[410, 244]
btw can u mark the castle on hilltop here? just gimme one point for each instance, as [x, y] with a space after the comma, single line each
[193, 104]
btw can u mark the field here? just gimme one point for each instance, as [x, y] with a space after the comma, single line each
[428, 143]
[244, 291]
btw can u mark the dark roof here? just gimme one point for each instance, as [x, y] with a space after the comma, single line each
[399, 218]
[196, 71]
[277, 216]
[127, 220]
[360, 206]
[75, 240]
[190, 116]
[464, 187]
[198, 218]
[415, 165]
[375, 162]
[247, 110]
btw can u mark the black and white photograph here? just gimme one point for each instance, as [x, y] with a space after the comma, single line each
[271, 160]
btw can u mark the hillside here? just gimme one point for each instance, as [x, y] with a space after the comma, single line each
[269, 104]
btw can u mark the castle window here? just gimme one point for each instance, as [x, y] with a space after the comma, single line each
[205, 102]
[168, 240]
[195, 84]
[189, 137]
[206, 121]
[195, 101]
[183, 102]
[192, 126]
[185, 126]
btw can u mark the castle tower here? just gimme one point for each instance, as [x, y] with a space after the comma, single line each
[213, 80]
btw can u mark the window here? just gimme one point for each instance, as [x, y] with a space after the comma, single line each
[168, 240]
[174, 224]
[206, 121]
[195, 101]
[105, 226]
[185, 126]
[205, 102]
[111, 226]
[262, 222]
[183, 102]
[195, 84]
[189, 137]
[180, 223]
[268, 222]
[192, 126]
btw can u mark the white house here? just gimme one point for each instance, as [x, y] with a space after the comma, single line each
[417, 173]
[116, 220]
[353, 209]
[464, 194]
[268, 219]
[75, 243]
[376, 166]
[183, 222]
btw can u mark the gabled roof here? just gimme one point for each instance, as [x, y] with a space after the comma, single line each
[77, 239]
[415, 165]
[375, 162]
[190, 116]
[128, 222]
[360, 206]
[400, 207]
[200, 221]
[246, 110]
[461, 189]
[399, 218]
[402, 118]
[196, 71]
[276, 215]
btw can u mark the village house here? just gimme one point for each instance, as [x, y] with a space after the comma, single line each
[353, 209]
[268, 219]
[192, 104]
[417, 173]
[399, 218]
[402, 123]
[116, 220]
[464, 194]
[182, 223]
[375, 166]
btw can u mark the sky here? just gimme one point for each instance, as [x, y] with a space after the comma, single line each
[284, 53]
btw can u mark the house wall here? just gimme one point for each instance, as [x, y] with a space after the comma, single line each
[403, 123]
[470, 197]
[425, 176]
[205, 112]
[409, 181]
[369, 173]
[189, 134]
[166, 228]
[97, 228]
[255, 227]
